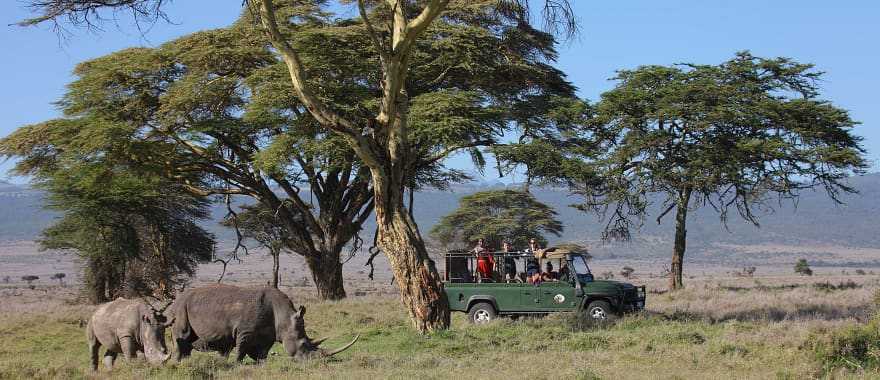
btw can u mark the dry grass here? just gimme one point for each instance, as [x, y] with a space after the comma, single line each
[724, 328]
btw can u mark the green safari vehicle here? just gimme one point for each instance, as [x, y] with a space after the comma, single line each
[507, 292]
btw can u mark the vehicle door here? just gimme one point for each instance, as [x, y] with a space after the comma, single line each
[529, 297]
[557, 295]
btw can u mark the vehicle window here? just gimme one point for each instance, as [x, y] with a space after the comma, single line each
[580, 265]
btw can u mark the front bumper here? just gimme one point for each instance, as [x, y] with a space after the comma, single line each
[634, 300]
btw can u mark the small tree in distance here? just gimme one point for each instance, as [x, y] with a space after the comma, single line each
[802, 268]
[261, 224]
[496, 216]
[60, 277]
[30, 279]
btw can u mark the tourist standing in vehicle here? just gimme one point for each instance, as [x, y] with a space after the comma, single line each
[532, 265]
[509, 263]
[485, 261]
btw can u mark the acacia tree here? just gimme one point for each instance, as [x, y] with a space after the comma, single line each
[260, 224]
[136, 231]
[496, 216]
[381, 135]
[732, 136]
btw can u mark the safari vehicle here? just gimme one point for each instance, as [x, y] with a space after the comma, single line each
[575, 290]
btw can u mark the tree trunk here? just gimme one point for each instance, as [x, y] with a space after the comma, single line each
[327, 275]
[681, 210]
[275, 254]
[421, 288]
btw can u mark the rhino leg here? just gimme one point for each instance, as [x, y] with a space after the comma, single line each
[94, 346]
[259, 355]
[109, 358]
[129, 348]
[243, 347]
[184, 348]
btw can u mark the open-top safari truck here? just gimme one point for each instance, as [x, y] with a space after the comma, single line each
[508, 292]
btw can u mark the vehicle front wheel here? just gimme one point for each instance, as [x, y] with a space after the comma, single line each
[482, 312]
[600, 311]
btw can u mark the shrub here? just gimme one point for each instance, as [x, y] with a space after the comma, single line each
[854, 347]
[827, 286]
[802, 268]
[746, 272]
[860, 272]
[29, 278]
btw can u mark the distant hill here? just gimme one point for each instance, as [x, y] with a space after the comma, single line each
[816, 221]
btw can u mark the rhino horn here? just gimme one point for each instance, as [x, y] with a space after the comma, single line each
[317, 342]
[338, 350]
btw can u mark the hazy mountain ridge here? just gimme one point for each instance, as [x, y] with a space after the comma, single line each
[815, 222]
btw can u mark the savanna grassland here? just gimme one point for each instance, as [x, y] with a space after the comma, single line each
[761, 327]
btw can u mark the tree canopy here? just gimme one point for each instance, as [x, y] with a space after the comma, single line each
[497, 216]
[137, 232]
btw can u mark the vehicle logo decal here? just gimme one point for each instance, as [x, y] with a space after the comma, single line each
[559, 298]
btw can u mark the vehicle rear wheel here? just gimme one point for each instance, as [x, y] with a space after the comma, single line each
[480, 313]
[600, 311]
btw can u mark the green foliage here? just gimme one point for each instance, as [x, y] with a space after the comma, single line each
[853, 347]
[732, 136]
[136, 230]
[496, 216]
[802, 268]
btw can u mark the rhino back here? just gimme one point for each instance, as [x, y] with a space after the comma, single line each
[218, 312]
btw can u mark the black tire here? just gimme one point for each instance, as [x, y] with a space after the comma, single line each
[480, 313]
[600, 311]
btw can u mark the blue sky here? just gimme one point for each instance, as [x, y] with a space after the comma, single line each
[841, 38]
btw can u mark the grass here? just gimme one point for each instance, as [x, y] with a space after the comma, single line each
[759, 330]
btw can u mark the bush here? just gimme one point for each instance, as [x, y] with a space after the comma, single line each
[854, 347]
[860, 272]
[827, 286]
[802, 268]
[29, 278]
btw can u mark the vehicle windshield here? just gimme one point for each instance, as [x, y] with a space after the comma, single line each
[580, 265]
[581, 270]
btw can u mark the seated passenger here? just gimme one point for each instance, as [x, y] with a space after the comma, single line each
[549, 274]
[535, 277]
[564, 272]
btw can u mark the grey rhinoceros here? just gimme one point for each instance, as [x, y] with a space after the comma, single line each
[127, 326]
[222, 317]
